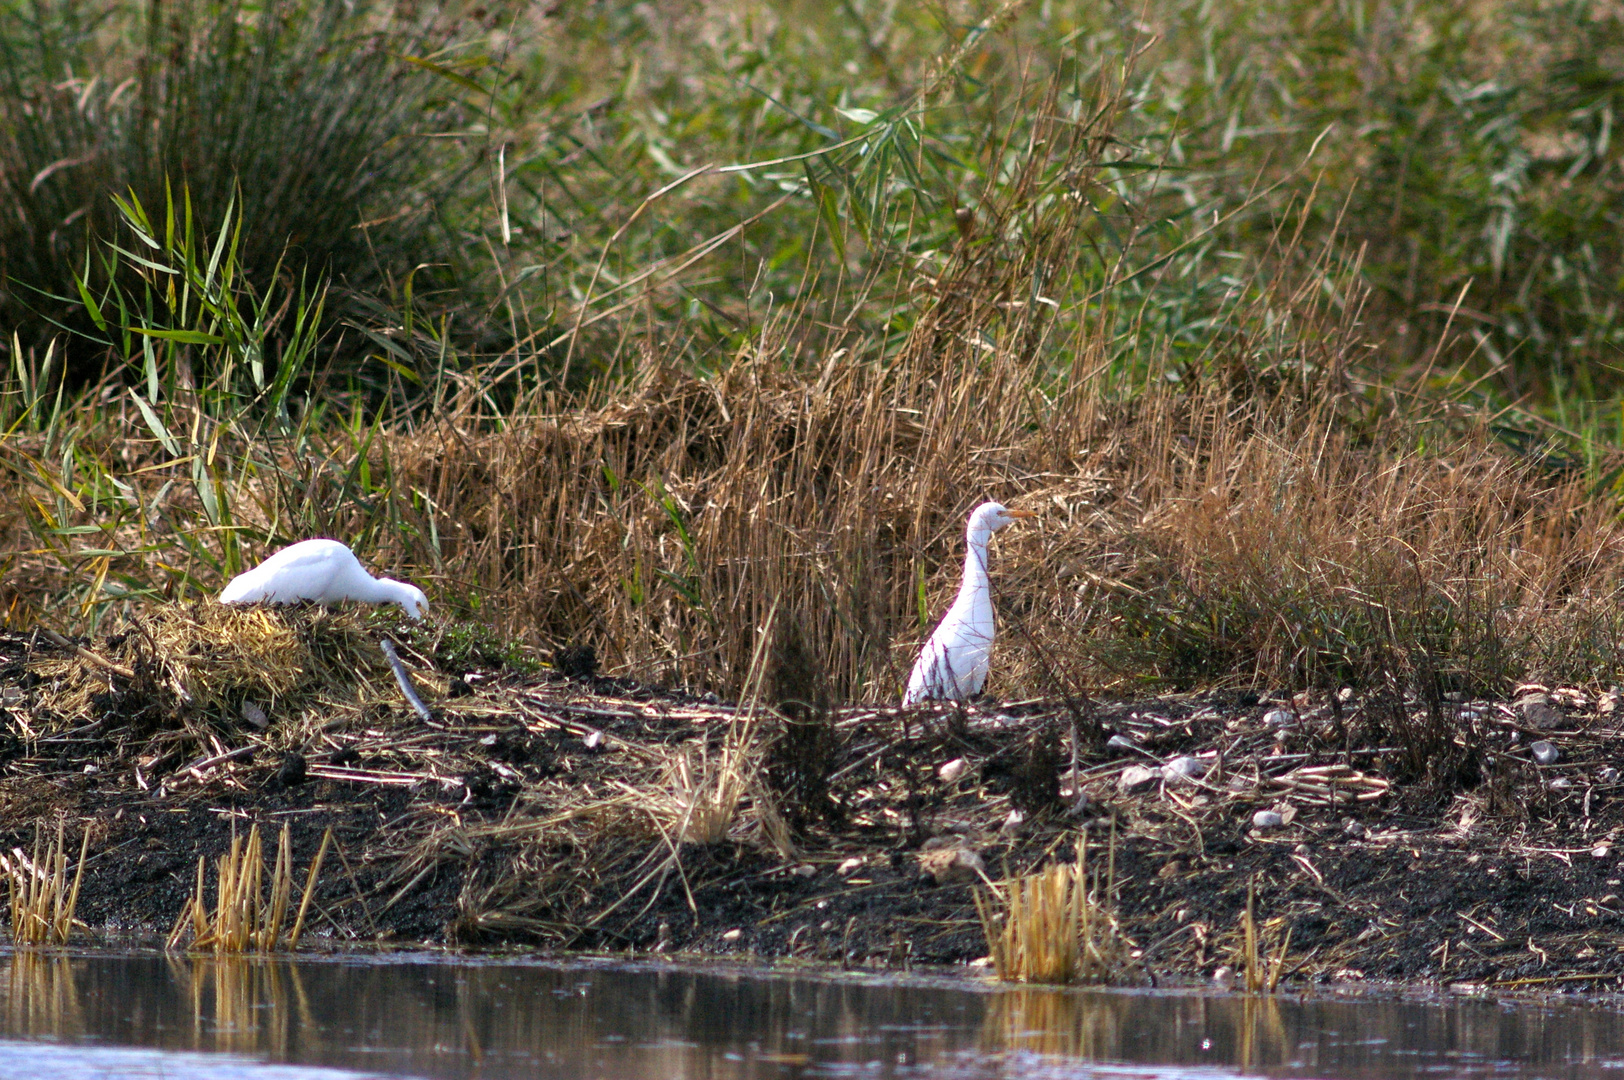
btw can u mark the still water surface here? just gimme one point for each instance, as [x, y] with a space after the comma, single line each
[116, 1017]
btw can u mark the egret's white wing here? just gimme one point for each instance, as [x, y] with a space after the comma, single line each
[304, 571]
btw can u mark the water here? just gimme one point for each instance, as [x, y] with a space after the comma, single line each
[116, 1017]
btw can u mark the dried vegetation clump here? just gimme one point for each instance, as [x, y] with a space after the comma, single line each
[184, 668]
[1056, 925]
[245, 919]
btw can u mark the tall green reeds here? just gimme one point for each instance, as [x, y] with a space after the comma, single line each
[298, 119]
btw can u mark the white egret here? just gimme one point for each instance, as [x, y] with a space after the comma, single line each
[953, 663]
[324, 571]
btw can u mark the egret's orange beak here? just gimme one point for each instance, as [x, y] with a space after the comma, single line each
[1019, 514]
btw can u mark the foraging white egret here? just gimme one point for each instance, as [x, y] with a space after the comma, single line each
[324, 571]
[953, 663]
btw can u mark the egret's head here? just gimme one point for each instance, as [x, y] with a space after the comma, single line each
[990, 517]
[411, 600]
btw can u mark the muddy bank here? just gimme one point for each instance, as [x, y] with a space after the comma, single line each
[1393, 837]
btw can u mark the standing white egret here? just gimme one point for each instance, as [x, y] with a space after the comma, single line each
[953, 663]
[324, 571]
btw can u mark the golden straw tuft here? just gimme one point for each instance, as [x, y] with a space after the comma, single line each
[1055, 928]
[244, 919]
[42, 901]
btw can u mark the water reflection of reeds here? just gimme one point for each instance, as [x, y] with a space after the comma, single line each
[497, 1021]
[42, 999]
[1245, 1030]
[243, 1004]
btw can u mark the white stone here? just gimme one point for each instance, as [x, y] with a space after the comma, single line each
[1183, 770]
[1135, 777]
[1280, 718]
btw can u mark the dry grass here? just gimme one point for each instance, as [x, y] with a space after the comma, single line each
[1255, 514]
[42, 899]
[244, 919]
[1056, 926]
[1309, 533]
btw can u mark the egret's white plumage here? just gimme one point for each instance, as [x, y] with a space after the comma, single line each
[953, 663]
[324, 571]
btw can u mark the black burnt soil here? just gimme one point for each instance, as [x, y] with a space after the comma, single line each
[528, 813]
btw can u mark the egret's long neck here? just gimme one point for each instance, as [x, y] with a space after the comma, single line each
[975, 563]
[389, 591]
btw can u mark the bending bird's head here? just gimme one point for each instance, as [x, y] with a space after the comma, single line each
[410, 598]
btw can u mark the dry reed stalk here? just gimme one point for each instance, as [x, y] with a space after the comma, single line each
[701, 795]
[1249, 947]
[1262, 974]
[42, 901]
[244, 919]
[1056, 927]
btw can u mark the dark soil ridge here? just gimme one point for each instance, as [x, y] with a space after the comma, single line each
[1421, 840]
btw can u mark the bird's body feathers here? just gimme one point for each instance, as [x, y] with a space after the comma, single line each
[324, 571]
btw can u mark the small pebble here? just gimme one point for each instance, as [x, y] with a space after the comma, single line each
[255, 715]
[1121, 744]
[1561, 783]
[1606, 775]
[850, 866]
[805, 870]
[1265, 820]
[1302, 849]
[1012, 824]
[733, 935]
[1224, 978]
[1182, 770]
[1600, 851]
[1544, 752]
[1280, 718]
[1355, 829]
[952, 770]
[593, 740]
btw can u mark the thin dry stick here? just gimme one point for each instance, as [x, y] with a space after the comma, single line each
[404, 679]
[310, 888]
